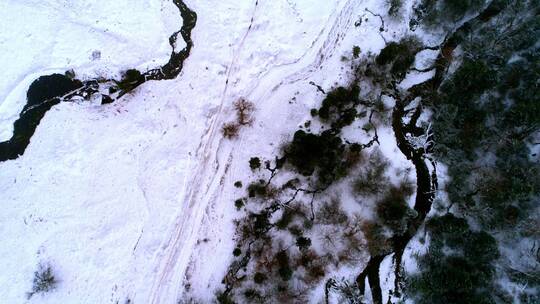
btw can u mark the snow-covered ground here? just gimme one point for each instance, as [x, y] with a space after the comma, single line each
[134, 200]
[93, 37]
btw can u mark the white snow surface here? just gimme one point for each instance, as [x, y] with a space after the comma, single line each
[44, 37]
[134, 200]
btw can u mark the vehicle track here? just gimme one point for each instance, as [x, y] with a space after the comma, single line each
[188, 221]
[207, 181]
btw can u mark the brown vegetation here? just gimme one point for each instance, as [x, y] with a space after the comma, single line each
[244, 117]
[230, 130]
[244, 111]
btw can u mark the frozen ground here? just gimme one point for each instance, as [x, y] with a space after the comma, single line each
[134, 200]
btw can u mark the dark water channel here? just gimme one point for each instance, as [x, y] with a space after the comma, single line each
[49, 90]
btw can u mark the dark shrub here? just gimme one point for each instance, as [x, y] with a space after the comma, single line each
[259, 278]
[390, 52]
[296, 230]
[316, 271]
[261, 223]
[238, 184]
[393, 210]
[371, 179]
[307, 224]
[375, 237]
[472, 78]
[237, 251]
[450, 281]
[130, 79]
[291, 184]
[394, 7]
[44, 280]
[257, 189]
[303, 242]
[285, 271]
[324, 152]
[338, 107]
[331, 213]
[285, 220]
[252, 294]
[481, 248]
[239, 203]
[223, 298]
[399, 54]
[356, 51]
[460, 121]
[308, 257]
[244, 111]
[254, 163]
[230, 130]
[458, 267]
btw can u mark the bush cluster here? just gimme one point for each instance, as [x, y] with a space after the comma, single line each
[244, 111]
[255, 163]
[339, 107]
[244, 117]
[376, 238]
[284, 270]
[371, 178]
[394, 7]
[399, 55]
[230, 130]
[458, 267]
[393, 210]
[324, 154]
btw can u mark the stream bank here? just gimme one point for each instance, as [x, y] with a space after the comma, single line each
[49, 90]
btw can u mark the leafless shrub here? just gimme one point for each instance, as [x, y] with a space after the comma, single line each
[392, 209]
[244, 111]
[371, 179]
[347, 292]
[260, 189]
[315, 272]
[244, 117]
[376, 239]
[354, 241]
[230, 130]
[329, 238]
[330, 213]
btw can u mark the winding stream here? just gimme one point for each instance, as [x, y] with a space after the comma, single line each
[426, 181]
[48, 91]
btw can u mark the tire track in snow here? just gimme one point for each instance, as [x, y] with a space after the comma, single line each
[320, 50]
[205, 184]
[342, 24]
[181, 242]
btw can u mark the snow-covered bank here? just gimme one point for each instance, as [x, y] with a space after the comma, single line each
[96, 39]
